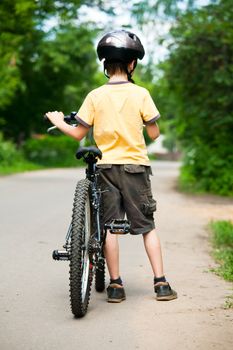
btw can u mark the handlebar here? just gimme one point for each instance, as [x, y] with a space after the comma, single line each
[67, 118]
[70, 118]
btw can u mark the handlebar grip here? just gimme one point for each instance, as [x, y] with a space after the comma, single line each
[67, 118]
[71, 117]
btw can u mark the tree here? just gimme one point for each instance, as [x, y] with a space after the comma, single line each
[16, 27]
[41, 69]
[57, 79]
[199, 73]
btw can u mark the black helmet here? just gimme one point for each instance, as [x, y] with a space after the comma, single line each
[120, 45]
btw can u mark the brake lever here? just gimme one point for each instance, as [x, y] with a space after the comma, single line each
[51, 128]
[55, 127]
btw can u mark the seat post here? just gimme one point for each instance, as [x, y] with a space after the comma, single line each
[90, 171]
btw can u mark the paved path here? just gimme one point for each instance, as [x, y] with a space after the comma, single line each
[34, 301]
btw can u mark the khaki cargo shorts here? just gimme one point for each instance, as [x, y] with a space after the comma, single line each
[127, 190]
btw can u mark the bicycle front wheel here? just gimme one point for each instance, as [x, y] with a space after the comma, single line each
[80, 266]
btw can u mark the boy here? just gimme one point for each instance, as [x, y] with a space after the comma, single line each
[117, 111]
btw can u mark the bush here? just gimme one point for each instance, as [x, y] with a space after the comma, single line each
[9, 155]
[12, 159]
[222, 239]
[52, 151]
[208, 169]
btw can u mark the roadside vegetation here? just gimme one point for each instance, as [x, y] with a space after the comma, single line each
[11, 159]
[40, 152]
[222, 243]
[200, 84]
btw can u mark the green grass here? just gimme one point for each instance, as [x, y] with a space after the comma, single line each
[222, 241]
[24, 165]
[18, 167]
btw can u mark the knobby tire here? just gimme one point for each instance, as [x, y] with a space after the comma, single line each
[80, 268]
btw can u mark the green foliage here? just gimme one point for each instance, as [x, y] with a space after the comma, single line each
[206, 168]
[16, 28]
[9, 155]
[51, 151]
[167, 104]
[222, 233]
[199, 74]
[42, 69]
[57, 78]
[222, 238]
[12, 159]
[151, 12]
[38, 153]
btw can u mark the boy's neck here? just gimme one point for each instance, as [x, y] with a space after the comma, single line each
[118, 77]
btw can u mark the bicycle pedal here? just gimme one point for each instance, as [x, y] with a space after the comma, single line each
[61, 255]
[117, 226]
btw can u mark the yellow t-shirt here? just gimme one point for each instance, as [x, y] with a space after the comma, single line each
[117, 112]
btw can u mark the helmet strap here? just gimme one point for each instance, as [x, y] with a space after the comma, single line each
[129, 73]
[105, 73]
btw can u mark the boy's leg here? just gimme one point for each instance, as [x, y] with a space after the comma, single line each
[115, 290]
[154, 252]
[111, 252]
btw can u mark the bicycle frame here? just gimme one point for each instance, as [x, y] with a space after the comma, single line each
[97, 238]
[92, 175]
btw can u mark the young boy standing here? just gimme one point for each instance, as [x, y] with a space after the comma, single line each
[117, 112]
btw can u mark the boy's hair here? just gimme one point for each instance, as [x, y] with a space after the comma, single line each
[115, 67]
[112, 67]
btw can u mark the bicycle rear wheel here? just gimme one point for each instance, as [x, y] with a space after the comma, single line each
[80, 266]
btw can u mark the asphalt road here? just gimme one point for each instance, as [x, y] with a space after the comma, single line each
[35, 210]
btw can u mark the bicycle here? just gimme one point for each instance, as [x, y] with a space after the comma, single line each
[84, 242]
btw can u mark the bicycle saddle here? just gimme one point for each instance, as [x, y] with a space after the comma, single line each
[83, 152]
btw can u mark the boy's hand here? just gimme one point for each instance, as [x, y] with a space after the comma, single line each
[55, 117]
[153, 131]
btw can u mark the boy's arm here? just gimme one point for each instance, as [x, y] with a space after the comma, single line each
[152, 130]
[57, 118]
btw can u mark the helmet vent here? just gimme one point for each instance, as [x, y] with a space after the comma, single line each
[132, 36]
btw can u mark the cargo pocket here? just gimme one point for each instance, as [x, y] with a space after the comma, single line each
[148, 204]
[104, 166]
[134, 169]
